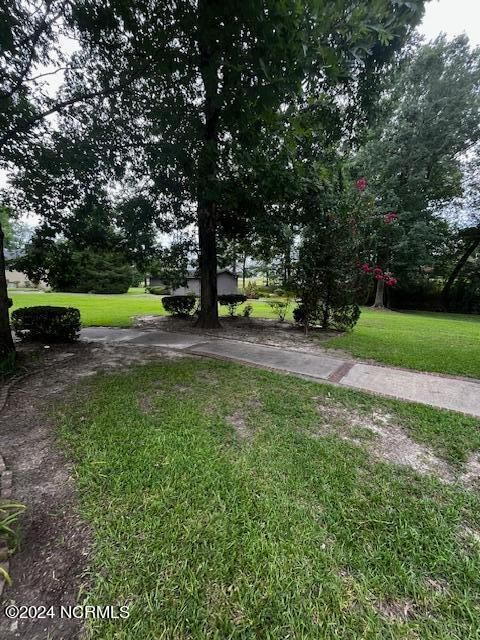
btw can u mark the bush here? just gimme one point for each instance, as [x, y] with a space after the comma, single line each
[280, 308]
[264, 290]
[342, 317]
[159, 291]
[180, 306]
[247, 311]
[49, 324]
[231, 300]
[279, 293]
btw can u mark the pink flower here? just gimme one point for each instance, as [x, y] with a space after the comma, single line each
[366, 267]
[361, 184]
[390, 217]
[391, 282]
[378, 272]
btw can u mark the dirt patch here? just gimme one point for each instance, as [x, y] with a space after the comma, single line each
[438, 585]
[50, 567]
[146, 403]
[255, 330]
[383, 438]
[470, 476]
[396, 610]
[469, 537]
[237, 421]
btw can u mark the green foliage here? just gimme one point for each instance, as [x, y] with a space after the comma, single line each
[68, 269]
[412, 160]
[159, 291]
[180, 306]
[280, 308]
[231, 300]
[247, 311]
[171, 264]
[50, 324]
[10, 513]
[326, 274]
[106, 272]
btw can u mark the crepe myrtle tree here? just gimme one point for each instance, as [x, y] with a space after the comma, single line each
[379, 233]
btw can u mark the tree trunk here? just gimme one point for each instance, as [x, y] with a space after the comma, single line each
[207, 172]
[379, 295]
[288, 266]
[244, 270]
[458, 267]
[7, 347]
[207, 240]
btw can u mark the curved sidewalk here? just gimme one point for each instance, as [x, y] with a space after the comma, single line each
[457, 394]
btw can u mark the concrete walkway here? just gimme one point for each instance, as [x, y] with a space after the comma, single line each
[444, 392]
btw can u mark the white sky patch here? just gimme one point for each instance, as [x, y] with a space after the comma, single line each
[452, 17]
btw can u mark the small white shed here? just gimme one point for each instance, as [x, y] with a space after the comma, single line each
[227, 283]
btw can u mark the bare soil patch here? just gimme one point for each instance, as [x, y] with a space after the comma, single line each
[256, 330]
[50, 566]
[387, 441]
[237, 421]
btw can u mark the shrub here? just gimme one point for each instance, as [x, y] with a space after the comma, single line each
[279, 293]
[179, 306]
[280, 308]
[10, 513]
[265, 289]
[159, 291]
[247, 311]
[231, 300]
[341, 317]
[50, 324]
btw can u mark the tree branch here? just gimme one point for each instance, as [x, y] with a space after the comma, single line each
[29, 122]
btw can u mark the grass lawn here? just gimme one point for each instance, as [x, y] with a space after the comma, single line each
[220, 511]
[442, 342]
[96, 310]
[115, 310]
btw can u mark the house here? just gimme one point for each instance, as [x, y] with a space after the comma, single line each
[18, 279]
[227, 282]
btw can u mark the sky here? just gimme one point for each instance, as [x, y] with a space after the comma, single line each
[452, 17]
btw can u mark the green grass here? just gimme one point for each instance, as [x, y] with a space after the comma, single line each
[96, 310]
[441, 342]
[280, 534]
[115, 310]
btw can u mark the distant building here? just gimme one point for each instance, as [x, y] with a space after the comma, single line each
[18, 279]
[227, 282]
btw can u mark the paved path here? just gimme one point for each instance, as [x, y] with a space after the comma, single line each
[440, 391]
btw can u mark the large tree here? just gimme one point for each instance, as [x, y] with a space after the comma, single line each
[430, 119]
[214, 75]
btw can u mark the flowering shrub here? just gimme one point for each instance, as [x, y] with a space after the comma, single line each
[379, 274]
[390, 217]
[361, 184]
